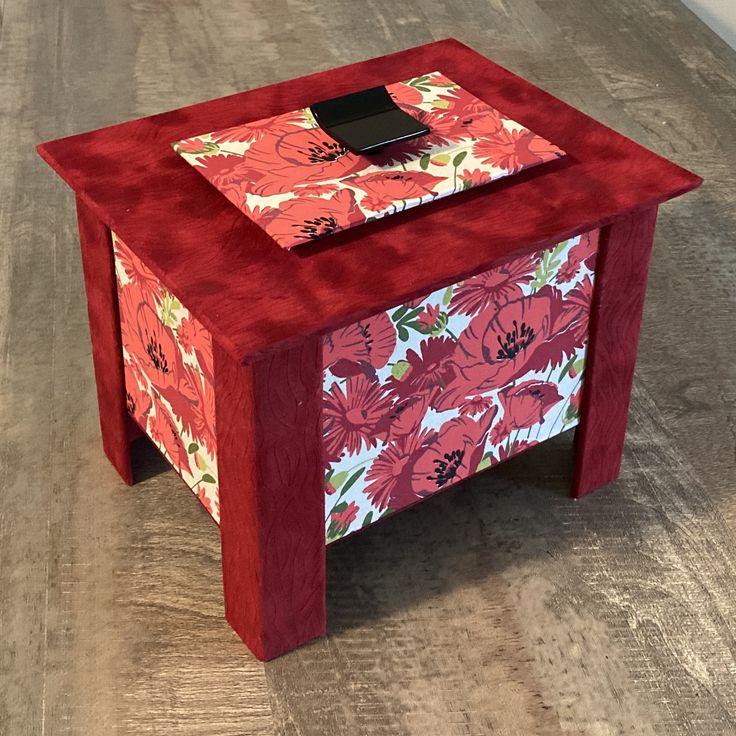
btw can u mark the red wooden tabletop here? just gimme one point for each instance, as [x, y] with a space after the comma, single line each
[254, 296]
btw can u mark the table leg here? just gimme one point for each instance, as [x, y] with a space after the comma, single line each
[270, 472]
[620, 284]
[107, 351]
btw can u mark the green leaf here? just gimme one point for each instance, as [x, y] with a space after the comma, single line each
[399, 368]
[207, 478]
[459, 158]
[368, 519]
[402, 332]
[353, 478]
[441, 159]
[339, 478]
[421, 88]
[424, 162]
[484, 463]
[578, 366]
[193, 447]
[399, 313]
[566, 368]
[440, 324]
[441, 104]
[447, 296]
[338, 507]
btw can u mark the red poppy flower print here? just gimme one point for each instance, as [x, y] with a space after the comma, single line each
[389, 476]
[453, 455]
[385, 188]
[514, 150]
[137, 400]
[352, 417]
[405, 415]
[248, 132]
[227, 173]
[276, 164]
[344, 518]
[578, 303]
[163, 431]
[499, 345]
[527, 403]
[474, 178]
[194, 338]
[363, 346]
[137, 272]
[497, 286]
[155, 347]
[406, 96]
[586, 249]
[428, 372]
[476, 405]
[308, 218]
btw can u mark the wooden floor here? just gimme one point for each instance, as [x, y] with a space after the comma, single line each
[501, 607]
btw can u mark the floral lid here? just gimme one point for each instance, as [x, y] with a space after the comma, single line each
[288, 176]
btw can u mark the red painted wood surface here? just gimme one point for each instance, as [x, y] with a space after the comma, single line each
[270, 467]
[622, 266]
[255, 297]
[107, 349]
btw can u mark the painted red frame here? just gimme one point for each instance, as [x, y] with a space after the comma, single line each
[128, 179]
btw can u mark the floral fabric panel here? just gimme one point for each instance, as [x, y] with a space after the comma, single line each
[298, 184]
[169, 380]
[433, 391]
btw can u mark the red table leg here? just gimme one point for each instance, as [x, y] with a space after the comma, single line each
[271, 469]
[620, 283]
[107, 350]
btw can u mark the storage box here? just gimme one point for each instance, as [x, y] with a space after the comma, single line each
[305, 386]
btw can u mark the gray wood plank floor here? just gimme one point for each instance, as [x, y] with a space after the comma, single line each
[501, 607]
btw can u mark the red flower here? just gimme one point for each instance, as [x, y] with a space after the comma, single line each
[462, 104]
[527, 403]
[405, 415]
[164, 432]
[204, 500]
[138, 401]
[386, 188]
[578, 302]
[351, 418]
[586, 249]
[368, 343]
[389, 475]
[306, 218]
[137, 272]
[155, 348]
[476, 405]
[193, 337]
[278, 124]
[514, 150]
[475, 178]
[192, 145]
[452, 455]
[499, 345]
[405, 96]
[568, 270]
[494, 287]
[275, 165]
[428, 318]
[343, 519]
[427, 373]
[228, 173]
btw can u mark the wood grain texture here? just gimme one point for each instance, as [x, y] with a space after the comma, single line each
[107, 348]
[622, 266]
[271, 467]
[501, 607]
[207, 253]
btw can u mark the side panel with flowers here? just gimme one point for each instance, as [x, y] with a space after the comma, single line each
[431, 392]
[168, 375]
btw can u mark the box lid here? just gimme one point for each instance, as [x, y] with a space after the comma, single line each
[256, 298]
[288, 176]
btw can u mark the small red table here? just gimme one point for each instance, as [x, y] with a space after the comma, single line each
[266, 310]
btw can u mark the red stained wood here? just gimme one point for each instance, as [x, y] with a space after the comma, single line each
[271, 466]
[107, 350]
[622, 266]
[255, 297]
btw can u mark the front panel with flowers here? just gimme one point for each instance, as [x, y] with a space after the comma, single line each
[169, 383]
[431, 392]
